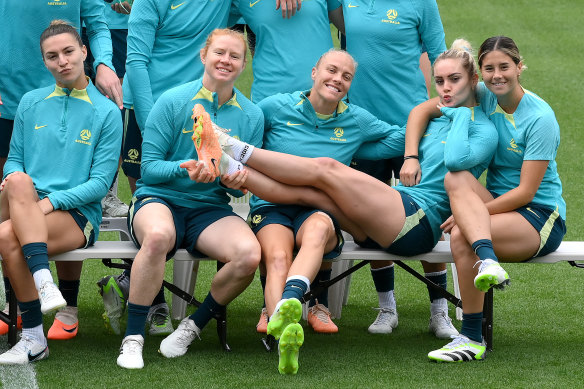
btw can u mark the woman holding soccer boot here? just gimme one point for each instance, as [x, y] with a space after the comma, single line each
[176, 206]
[63, 157]
[402, 220]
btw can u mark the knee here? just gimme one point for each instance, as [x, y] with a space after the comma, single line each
[18, 186]
[326, 165]
[247, 257]
[158, 241]
[316, 231]
[278, 261]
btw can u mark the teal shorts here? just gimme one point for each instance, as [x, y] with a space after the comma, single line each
[84, 225]
[416, 236]
[291, 216]
[548, 223]
[189, 223]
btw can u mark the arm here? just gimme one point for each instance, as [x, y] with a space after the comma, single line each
[469, 144]
[532, 173]
[103, 167]
[15, 161]
[430, 29]
[336, 18]
[158, 140]
[142, 27]
[418, 120]
[106, 80]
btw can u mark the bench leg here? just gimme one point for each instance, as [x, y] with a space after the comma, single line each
[488, 319]
[339, 291]
[221, 318]
[184, 276]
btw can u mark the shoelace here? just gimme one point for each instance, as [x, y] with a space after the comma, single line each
[457, 341]
[23, 345]
[384, 316]
[132, 346]
[186, 334]
[321, 313]
[47, 291]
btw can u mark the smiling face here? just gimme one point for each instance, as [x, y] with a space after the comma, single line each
[332, 77]
[500, 73]
[224, 59]
[453, 83]
[63, 57]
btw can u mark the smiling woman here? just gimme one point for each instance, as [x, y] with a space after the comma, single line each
[178, 205]
[62, 160]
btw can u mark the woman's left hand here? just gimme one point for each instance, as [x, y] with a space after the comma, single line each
[448, 225]
[46, 206]
[235, 180]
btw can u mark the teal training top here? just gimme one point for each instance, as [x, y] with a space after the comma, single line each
[21, 24]
[385, 38]
[164, 41]
[293, 127]
[286, 49]
[68, 142]
[115, 21]
[167, 143]
[531, 133]
[462, 139]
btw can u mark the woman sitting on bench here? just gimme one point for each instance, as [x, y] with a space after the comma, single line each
[404, 221]
[62, 160]
[521, 212]
[178, 208]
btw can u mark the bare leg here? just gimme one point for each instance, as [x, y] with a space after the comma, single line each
[154, 228]
[277, 244]
[64, 235]
[241, 253]
[373, 206]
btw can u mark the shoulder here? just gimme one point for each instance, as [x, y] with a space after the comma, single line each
[248, 108]
[34, 96]
[101, 102]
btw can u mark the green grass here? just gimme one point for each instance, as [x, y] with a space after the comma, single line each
[537, 324]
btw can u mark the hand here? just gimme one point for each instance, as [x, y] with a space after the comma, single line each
[122, 8]
[5, 180]
[46, 206]
[235, 180]
[198, 172]
[410, 173]
[451, 112]
[108, 83]
[289, 7]
[1, 103]
[448, 225]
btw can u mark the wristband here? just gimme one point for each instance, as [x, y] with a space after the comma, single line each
[411, 157]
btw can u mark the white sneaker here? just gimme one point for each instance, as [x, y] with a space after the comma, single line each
[177, 343]
[441, 326]
[51, 297]
[112, 206]
[159, 320]
[385, 322]
[491, 274]
[25, 351]
[131, 352]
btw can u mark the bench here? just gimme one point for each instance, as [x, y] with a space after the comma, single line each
[183, 279]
